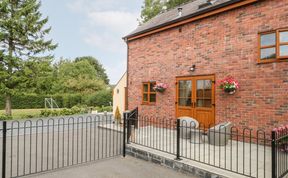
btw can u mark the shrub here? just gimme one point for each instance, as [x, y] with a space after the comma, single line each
[32, 101]
[45, 113]
[104, 108]
[79, 109]
[117, 115]
[28, 116]
[71, 100]
[101, 98]
[107, 108]
[4, 117]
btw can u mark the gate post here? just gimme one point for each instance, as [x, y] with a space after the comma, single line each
[4, 149]
[274, 155]
[124, 133]
[128, 127]
[178, 140]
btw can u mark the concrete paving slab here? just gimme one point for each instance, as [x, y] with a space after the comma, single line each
[115, 168]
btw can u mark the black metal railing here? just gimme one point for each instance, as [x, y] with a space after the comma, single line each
[34, 146]
[280, 152]
[154, 133]
[240, 150]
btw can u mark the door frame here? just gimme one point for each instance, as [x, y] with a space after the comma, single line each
[200, 76]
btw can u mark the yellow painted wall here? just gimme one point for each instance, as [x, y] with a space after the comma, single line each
[119, 94]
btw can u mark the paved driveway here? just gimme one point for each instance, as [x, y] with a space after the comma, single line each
[115, 168]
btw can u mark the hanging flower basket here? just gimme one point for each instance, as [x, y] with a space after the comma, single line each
[160, 87]
[229, 85]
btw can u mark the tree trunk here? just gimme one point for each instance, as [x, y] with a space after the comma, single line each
[8, 105]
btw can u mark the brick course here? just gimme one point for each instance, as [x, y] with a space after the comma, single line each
[225, 44]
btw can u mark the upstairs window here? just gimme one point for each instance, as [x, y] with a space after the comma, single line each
[273, 46]
[283, 44]
[148, 93]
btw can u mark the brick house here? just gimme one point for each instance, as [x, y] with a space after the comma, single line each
[194, 46]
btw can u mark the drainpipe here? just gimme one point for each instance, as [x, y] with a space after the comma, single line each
[127, 71]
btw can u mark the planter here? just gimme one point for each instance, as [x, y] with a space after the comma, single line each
[229, 85]
[160, 87]
[160, 90]
[230, 91]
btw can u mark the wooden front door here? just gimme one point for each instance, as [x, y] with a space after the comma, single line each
[195, 98]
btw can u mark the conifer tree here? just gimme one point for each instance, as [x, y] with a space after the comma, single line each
[22, 36]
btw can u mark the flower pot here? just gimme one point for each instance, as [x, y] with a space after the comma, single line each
[160, 90]
[230, 91]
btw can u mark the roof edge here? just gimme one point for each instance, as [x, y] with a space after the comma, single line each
[202, 12]
[120, 79]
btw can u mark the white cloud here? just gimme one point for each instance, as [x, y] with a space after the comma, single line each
[120, 22]
[105, 23]
[116, 70]
[105, 42]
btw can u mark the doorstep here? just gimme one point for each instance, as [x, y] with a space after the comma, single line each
[184, 165]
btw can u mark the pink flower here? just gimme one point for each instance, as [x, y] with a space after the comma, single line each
[160, 86]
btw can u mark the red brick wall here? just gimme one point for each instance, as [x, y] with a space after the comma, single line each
[225, 44]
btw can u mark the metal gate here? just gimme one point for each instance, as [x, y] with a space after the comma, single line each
[35, 146]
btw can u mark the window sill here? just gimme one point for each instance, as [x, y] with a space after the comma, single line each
[273, 61]
[149, 104]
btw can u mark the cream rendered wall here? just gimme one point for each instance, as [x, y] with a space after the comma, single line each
[119, 94]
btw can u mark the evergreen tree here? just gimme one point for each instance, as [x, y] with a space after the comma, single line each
[22, 36]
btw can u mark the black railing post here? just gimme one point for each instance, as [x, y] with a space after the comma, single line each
[125, 116]
[274, 155]
[178, 140]
[4, 149]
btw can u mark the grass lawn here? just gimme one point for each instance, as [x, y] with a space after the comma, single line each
[21, 113]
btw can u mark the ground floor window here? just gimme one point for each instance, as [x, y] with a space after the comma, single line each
[148, 93]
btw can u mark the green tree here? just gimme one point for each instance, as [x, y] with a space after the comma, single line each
[151, 8]
[77, 77]
[42, 73]
[22, 35]
[101, 73]
[174, 3]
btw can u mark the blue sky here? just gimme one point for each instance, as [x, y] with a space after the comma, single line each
[93, 28]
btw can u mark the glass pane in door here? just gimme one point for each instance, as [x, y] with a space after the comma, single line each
[185, 93]
[204, 93]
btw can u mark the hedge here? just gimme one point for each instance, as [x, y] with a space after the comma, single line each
[33, 101]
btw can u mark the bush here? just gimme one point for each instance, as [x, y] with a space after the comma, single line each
[65, 112]
[33, 101]
[101, 98]
[104, 108]
[4, 117]
[71, 100]
[30, 101]
[117, 115]
[29, 116]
